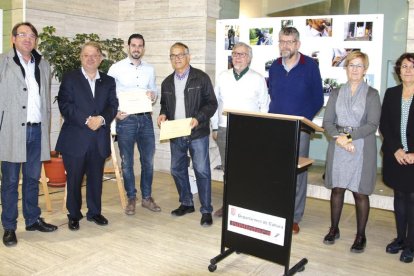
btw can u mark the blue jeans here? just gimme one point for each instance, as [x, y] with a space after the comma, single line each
[201, 163]
[139, 129]
[30, 188]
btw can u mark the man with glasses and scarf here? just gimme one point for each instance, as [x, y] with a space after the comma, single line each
[24, 130]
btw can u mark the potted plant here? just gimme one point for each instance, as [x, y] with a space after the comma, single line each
[55, 170]
[63, 55]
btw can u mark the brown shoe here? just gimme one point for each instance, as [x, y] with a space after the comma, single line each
[219, 213]
[295, 228]
[130, 209]
[150, 204]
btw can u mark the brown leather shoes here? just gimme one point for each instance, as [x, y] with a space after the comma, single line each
[295, 228]
[130, 208]
[150, 204]
[219, 213]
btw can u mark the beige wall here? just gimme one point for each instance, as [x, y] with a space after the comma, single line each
[161, 22]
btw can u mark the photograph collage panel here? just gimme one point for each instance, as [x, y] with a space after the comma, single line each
[327, 39]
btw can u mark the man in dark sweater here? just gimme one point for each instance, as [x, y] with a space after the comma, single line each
[295, 88]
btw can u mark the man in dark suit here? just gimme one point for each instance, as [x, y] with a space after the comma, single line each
[88, 103]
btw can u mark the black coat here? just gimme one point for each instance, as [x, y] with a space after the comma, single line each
[398, 177]
[200, 100]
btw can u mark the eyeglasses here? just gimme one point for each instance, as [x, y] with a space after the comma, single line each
[356, 66]
[239, 55]
[91, 56]
[23, 35]
[406, 66]
[287, 42]
[179, 56]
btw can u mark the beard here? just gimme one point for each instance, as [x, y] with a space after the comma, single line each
[136, 55]
[287, 54]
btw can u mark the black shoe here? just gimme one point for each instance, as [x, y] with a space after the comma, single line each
[206, 219]
[395, 246]
[73, 224]
[98, 219]
[359, 244]
[42, 226]
[407, 255]
[182, 210]
[9, 238]
[332, 235]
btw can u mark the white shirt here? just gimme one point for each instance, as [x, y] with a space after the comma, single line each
[129, 77]
[315, 33]
[33, 100]
[249, 93]
[91, 81]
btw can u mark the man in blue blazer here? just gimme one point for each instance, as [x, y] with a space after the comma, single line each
[88, 103]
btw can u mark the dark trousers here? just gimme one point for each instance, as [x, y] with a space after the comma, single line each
[91, 164]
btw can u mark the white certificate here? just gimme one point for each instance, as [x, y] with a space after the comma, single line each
[136, 101]
[175, 128]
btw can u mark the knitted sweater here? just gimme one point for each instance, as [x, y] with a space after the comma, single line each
[298, 92]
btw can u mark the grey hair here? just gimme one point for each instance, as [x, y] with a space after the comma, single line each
[242, 44]
[290, 31]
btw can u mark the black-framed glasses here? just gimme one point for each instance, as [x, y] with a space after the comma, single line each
[179, 56]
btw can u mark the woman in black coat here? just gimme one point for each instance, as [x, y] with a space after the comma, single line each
[397, 129]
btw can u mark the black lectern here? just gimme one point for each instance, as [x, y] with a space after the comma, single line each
[260, 186]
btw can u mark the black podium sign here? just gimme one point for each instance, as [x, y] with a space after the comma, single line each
[260, 186]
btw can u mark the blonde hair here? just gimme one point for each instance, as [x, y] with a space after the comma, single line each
[357, 54]
[94, 44]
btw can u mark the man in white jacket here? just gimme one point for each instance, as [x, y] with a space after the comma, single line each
[238, 88]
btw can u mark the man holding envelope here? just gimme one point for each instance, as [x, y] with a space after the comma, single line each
[188, 93]
[136, 90]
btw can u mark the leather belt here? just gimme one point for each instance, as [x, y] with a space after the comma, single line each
[143, 113]
[346, 129]
[33, 124]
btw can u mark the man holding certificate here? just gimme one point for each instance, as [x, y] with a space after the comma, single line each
[136, 90]
[188, 94]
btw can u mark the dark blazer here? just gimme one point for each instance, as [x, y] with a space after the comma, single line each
[76, 104]
[396, 176]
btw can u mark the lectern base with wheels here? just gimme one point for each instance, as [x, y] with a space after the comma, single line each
[260, 186]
